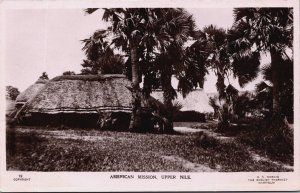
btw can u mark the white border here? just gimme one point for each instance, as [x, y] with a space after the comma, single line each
[99, 181]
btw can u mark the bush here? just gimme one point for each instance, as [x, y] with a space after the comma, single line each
[114, 121]
[272, 136]
[120, 121]
[206, 141]
[279, 137]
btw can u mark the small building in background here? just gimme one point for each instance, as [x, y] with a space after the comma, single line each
[195, 106]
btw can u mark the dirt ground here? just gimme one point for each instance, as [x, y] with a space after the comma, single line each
[53, 149]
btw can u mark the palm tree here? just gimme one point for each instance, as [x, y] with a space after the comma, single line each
[179, 25]
[213, 51]
[211, 47]
[129, 26]
[210, 51]
[264, 30]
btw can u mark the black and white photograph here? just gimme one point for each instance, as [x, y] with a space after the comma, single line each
[177, 90]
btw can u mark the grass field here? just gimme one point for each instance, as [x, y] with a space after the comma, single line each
[53, 149]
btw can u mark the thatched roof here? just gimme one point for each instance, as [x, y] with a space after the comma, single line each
[31, 91]
[196, 100]
[83, 94]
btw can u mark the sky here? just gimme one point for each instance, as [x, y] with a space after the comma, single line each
[44, 40]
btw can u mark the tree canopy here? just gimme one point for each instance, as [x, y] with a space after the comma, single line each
[12, 92]
[152, 43]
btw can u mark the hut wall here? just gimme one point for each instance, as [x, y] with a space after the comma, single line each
[66, 119]
[118, 121]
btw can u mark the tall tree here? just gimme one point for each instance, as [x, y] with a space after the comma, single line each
[264, 30]
[212, 51]
[179, 25]
[128, 26]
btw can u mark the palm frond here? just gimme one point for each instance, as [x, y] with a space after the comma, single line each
[90, 10]
[246, 68]
[232, 92]
[240, 13]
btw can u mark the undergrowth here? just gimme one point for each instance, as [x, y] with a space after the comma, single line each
[272, 137]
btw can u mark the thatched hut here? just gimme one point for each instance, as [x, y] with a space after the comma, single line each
[195, 106]
[78, 100]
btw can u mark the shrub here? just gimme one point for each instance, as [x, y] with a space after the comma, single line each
[114, 121]
[206, 141]
[274, 137]
[279, 137]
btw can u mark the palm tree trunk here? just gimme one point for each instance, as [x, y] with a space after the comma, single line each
[275, 62]
[135, 122]
[277, 125]
[167, 87]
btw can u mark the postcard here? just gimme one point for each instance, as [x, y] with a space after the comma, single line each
[152, 95]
